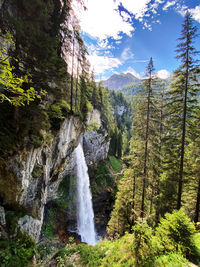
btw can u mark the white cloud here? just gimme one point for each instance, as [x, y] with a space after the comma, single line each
[168, 4]
[163, 74]
[126, 17]
[102, 20]
[136, 7]
[182, 9]
[195, 12]
[126, 54]
[103, 63]
[147, 26]
[133, 72]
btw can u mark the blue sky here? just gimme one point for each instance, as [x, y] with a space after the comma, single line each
[122, 35]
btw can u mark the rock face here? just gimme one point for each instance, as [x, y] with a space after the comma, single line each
[95, 145]
[95, 142]
[31, 178]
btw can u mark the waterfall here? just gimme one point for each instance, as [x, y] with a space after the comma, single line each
[85, 213]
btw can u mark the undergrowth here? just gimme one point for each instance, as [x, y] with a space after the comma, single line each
[173, 243]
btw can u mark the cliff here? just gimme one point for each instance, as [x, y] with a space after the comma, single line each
[30, 179]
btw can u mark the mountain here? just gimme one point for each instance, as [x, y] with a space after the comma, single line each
[117, 81]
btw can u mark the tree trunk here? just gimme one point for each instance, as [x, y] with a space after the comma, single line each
[180, 183]
[196, 217]
[151, 201]
[77, 76]
[160, 147]
[72, 79]
[146, 151]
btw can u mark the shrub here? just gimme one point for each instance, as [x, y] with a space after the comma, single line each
[18, 251]
[143, 246]
[176, 232]
[91, 255]
[171, 260]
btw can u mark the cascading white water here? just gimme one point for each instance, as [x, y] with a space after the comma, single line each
[85, 213]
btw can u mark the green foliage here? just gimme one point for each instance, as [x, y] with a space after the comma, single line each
[64, 186]
[123, 214]
[181, 105]
[101, 178]
[48, 229]
[166, 245]
[115, 163]
[11, 86]
[56, 112]
[176, 232]
[92, 127]
[63, 255]
[17, 251]
[91, 255]
[37, 172]
[171, 260]
[12, 218]
[196, 249]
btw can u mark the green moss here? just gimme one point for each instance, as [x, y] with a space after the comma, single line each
[62, 203]
[12, 218]
[64, 186]
[37, 142]
[48, 230]
[37, 172]
[92, 127]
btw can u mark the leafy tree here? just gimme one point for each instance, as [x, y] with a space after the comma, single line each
[13, 89]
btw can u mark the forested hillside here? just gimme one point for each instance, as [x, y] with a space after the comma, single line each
[137, 138]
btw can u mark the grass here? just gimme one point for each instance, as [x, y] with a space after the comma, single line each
[115, 163]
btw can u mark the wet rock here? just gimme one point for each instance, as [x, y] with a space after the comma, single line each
[30, 225]
[31, 178]
[96, 146]
[2, 222]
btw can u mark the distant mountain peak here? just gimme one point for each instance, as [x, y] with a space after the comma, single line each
[117, 81]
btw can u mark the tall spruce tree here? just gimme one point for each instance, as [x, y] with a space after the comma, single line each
[182, 102]
[148, 106]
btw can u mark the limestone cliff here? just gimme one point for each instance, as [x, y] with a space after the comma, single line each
[95, 141]
[30, 179]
